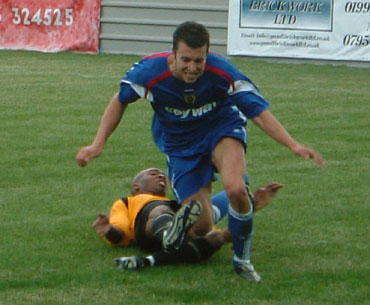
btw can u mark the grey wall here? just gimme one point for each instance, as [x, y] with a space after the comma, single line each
[143, 27]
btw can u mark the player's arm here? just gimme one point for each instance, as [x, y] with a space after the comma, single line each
[251, 103]
[109, 122]
[273, 128]
[107, 230]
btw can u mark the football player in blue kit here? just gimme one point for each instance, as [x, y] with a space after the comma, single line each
[201, 103]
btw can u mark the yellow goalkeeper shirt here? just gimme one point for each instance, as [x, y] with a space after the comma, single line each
[123, 216]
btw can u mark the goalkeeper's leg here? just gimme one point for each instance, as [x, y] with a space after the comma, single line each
[194, 251]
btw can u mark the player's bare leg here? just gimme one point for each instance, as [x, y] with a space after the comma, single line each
[230, 161]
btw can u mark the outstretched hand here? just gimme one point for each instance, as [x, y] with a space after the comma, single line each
[308, 153]
[85, 154]
[264, 195]
[101, 224]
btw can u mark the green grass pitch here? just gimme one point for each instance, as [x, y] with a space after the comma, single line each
[311, 245]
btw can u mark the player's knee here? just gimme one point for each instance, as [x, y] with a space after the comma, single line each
[202, 228]
[216, 239]
[238, 197]
[236, 193]
[159, 210]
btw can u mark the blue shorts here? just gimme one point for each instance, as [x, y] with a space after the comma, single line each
[188, 174]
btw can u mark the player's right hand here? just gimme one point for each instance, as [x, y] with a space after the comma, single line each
[264, 195]
[101, 224]
[86, 154]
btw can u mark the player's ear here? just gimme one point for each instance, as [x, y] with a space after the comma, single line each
[170, 59]
[135, 187]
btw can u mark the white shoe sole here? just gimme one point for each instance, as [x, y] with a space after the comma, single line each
[185, 217]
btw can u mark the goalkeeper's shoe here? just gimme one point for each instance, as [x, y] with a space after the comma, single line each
[184, 218]
[246, 270]
[132, 262]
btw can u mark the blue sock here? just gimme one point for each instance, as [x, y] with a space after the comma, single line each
[246, 179]
[220, 203]
[241, 228]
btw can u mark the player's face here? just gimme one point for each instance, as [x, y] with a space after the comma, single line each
[189, 63]
[155, 182]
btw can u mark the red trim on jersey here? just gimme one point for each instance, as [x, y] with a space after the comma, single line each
[221, 73]
[156, 80]
[160, 54]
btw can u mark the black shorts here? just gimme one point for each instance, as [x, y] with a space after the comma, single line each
[145, 243]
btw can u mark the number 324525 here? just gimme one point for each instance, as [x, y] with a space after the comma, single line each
[48, 17]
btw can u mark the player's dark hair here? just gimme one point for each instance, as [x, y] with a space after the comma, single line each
[195, 35]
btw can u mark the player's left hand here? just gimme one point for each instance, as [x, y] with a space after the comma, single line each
[308, 153]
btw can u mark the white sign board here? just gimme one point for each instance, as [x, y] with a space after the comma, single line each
[318, 29]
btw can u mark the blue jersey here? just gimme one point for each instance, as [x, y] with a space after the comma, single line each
[186, 113]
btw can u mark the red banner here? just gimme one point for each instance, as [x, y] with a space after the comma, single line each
[50, 25]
